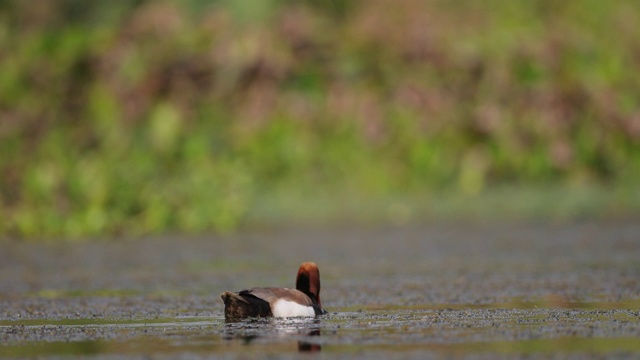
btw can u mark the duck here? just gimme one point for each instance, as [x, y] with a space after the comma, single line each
[278, 302]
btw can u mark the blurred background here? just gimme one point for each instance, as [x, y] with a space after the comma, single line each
[136, 117]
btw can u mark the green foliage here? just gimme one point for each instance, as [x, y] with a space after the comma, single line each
[142, 117]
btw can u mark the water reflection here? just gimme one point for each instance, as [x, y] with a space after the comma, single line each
[250, 330]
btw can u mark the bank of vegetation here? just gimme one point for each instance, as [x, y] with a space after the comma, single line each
[137, 117]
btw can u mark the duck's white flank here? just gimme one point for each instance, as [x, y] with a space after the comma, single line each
[283, 308]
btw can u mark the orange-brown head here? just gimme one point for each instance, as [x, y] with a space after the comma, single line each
[308, 280]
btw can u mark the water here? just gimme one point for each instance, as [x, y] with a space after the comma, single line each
[371, 333]
[479, 290]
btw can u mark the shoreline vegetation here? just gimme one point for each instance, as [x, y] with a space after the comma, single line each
[149, 117]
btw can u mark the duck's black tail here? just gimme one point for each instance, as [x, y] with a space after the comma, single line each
[244, 305]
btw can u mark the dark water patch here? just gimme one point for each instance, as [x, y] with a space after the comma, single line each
[470, 290]
[100, 322]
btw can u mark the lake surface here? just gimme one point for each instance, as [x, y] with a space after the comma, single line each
[480, 290]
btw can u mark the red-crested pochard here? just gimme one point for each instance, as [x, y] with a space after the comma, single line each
[304, 300]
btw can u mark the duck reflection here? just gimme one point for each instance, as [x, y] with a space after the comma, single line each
[250, 330]
[306, 346]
